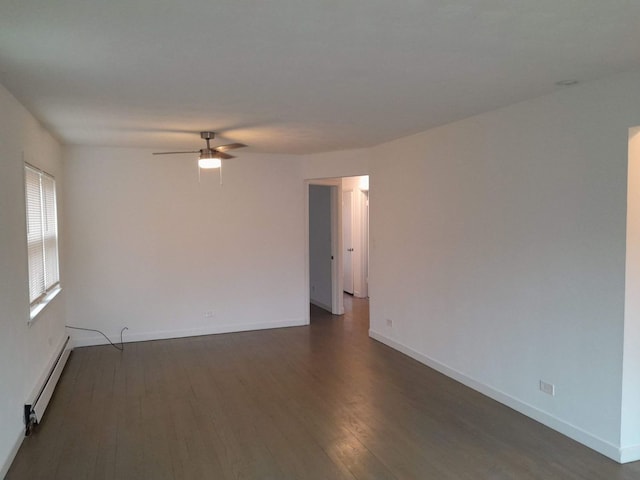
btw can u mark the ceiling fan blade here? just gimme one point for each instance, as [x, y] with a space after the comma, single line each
[229, 146]
[225, 156]
[171, 153]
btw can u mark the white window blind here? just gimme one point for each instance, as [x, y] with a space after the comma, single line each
[42, 233]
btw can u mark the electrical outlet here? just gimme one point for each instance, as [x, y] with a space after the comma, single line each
[389, 323]
[548, 388]
[208, 314]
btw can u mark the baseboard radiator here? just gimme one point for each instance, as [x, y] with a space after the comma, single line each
[37, 404]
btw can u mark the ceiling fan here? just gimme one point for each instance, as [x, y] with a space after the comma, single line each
[210, 157]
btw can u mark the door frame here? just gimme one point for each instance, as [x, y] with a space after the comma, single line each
[337, 301]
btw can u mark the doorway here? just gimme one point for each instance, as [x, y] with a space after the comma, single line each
[337, 241]
[355, 235]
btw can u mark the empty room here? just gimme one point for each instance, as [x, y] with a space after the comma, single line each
[319, 240]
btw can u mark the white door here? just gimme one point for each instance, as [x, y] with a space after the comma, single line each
[347, 240]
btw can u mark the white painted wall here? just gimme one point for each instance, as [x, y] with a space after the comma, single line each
[345, 163]
[320, 246]
[630, 435]
[25, 351]
[154, 250]
[498, 250]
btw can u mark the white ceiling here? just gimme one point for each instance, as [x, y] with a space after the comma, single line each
[296, 76]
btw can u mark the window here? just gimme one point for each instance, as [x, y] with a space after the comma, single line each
[42, 237]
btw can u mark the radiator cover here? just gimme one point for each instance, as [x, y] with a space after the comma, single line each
[34, 408]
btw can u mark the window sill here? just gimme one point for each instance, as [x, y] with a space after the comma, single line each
[46, 300]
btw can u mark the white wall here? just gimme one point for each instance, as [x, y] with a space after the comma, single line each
[630, 435]
[498, 251]
[153, 250]
[320, 246]
[25, 351]
[345, 163]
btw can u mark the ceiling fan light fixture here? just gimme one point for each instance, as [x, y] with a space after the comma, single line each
[209, 160]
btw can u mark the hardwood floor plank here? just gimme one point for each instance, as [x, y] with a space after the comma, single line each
[317, 402]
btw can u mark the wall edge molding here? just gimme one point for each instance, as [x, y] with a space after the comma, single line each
[322, 305]
[191, 332]
[630, 454]
[575, 433]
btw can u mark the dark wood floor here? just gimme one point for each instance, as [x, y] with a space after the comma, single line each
[319, 402]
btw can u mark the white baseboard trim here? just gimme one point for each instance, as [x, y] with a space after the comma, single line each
[630, 454]
[599, 445]
[129, 336]
[6, 465]
[322, 305]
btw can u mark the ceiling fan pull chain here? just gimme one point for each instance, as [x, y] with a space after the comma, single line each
[221, 162]
[198, 173]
